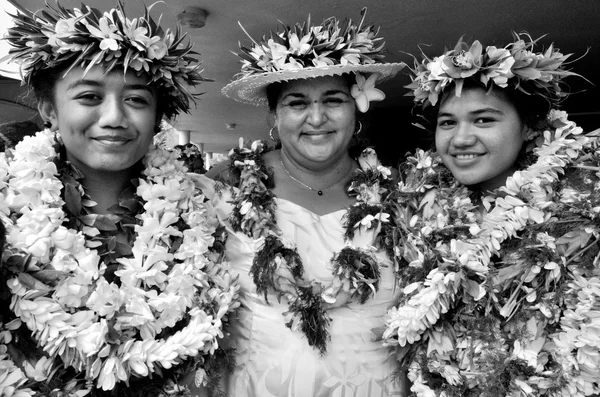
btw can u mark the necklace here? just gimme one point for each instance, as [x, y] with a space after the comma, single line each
[319, 191]
[277, 267]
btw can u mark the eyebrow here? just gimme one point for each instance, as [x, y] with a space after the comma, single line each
[95, 83]
[326, 93]
[474, 112]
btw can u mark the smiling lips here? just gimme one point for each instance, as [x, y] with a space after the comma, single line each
[467, 156]
[466, 159]
[316, 133]
[112, 139]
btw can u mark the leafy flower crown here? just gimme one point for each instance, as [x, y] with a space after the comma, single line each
[306, 45]
[516, 66]
[58, 37]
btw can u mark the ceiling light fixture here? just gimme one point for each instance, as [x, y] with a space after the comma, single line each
[192, 17]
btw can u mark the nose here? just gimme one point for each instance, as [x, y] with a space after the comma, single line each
[463, 135]
[316, 114]
[113, 114]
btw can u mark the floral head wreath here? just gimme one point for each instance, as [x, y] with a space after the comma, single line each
[308, 51]
[58, 37]
[516, 65]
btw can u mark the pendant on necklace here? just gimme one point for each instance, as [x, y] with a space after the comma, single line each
[320, 192]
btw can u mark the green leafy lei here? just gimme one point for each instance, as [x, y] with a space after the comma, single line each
[278, 267]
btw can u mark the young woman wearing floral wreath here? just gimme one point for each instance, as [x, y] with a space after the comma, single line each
[108, 266]
[499, 231]
[315, 284]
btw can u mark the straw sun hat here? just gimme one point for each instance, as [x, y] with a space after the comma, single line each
[308, 51]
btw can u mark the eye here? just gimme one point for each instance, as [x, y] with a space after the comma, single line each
[334, 101]
[446, 123]
[297, 104]
[89, 98]
[484, 120]
[138, 101]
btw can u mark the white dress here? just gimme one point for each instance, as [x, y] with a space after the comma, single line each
[272, 360]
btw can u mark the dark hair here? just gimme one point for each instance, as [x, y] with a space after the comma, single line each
[273, 92]
[42, 83]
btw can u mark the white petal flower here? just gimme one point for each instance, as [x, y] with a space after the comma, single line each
[364, 91]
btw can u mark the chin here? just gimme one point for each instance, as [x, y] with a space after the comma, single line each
[469, 180]
[113, 167]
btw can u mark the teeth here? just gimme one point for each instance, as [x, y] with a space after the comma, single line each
[465, 156]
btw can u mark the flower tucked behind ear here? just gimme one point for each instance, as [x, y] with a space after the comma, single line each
[364, 91]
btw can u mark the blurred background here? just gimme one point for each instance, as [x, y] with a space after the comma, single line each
[408, 26]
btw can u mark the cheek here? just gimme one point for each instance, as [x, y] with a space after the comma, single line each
[351, 125]
[75, 117]
[514, 149]
[440, 141]
[288, 123]
[149, 124]
[511, 144]
[143, 120]
[348, 115]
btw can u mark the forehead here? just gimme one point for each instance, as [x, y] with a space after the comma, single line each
[473, 98]
[317, 85]
[97, 74]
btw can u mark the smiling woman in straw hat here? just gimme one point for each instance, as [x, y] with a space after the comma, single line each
[301, 218]
[108, 266]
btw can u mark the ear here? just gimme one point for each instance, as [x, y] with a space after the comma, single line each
[272, 118]
[527, 133]
[46, 110]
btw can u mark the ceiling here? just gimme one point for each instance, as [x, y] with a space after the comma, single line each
[405, 24]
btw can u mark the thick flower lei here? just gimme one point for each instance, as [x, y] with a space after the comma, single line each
[163, 308]
[504, 304]
[278, 266]
[517, 65]
[192, 157]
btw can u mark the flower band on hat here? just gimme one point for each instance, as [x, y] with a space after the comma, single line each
[59, 37]
[309, 51]
[516, 65]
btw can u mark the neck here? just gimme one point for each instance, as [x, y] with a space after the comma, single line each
[495, 183]
[105, 188]
[319, 176]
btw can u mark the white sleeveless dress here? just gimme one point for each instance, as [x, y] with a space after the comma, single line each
[272, 360]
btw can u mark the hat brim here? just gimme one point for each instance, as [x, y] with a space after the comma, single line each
[253, 89]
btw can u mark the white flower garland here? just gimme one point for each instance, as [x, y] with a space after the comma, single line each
[525, 201]
[78, 316]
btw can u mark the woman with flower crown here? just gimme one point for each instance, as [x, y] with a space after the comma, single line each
[498, 231]
[110, 283]
[301, 218]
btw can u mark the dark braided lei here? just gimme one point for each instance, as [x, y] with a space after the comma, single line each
[278, 267]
